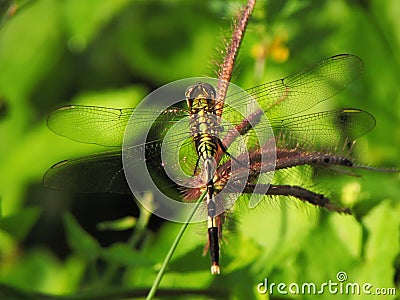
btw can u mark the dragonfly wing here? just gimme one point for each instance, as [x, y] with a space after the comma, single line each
[90, 124]
[106, 126]
[300, 91]
[96, 173]
[324, 130]
[104, 172]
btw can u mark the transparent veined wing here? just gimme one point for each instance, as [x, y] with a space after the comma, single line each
[106, 126]
[300, 91]
[329, 130]
[103, 172]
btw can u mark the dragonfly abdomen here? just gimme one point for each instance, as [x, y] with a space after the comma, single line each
[206, 146]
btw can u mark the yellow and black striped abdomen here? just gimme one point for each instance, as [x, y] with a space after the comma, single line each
[206, 146]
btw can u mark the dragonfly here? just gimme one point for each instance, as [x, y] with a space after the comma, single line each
[293, 138]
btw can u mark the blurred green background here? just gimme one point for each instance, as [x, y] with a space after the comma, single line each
[112, 53]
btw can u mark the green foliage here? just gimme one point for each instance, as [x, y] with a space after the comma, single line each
[123, 254]
[121, 224]
[80, 241]
[19, 224]
[112, 53]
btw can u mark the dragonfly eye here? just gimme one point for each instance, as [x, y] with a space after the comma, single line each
[200, 90]
[208, 91]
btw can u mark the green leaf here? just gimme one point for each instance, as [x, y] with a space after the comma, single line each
[122, 254]
[382, 245]
[38, 272]
[19, 224]
[116, 225]
[79, 240]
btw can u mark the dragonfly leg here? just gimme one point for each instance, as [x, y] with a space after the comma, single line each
[196, 166]
[225, 151]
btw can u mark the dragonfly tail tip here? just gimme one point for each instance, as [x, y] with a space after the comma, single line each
[215, 270]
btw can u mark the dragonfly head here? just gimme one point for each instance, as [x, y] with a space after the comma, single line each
[200, 96]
